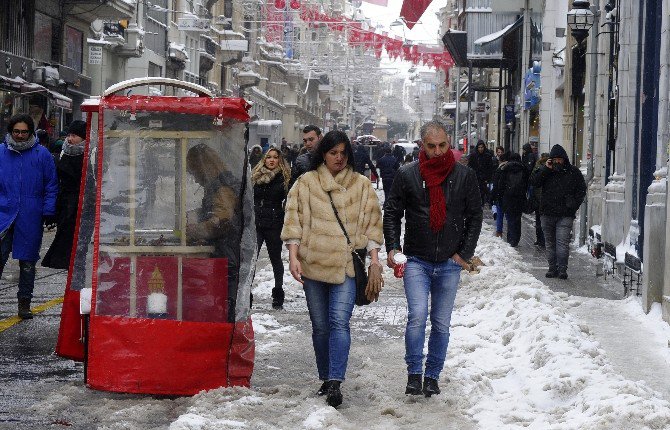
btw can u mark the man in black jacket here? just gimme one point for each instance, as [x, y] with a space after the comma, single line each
[441, 203]
[563, 189]
[311, 135]
[388, 166]
[362, 159]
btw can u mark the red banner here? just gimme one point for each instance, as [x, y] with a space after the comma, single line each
[412, 10]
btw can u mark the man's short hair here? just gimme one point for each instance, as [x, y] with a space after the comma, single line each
[313, 128]
[433, 126]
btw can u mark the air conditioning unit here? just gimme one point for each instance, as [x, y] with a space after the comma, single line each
[46, 75]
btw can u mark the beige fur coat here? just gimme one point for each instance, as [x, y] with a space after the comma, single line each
[323, 252]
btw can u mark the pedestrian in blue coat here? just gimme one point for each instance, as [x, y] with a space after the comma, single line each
[28, 190]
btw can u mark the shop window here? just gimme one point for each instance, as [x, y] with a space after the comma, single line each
[43, 31]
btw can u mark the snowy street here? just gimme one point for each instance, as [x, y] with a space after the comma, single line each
[520, 356]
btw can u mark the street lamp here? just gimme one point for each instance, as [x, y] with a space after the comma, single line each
[580, 19]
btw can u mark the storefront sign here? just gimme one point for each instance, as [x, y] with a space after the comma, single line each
[95, 55]
[193, 24]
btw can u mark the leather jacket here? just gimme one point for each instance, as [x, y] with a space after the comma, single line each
[409, 197]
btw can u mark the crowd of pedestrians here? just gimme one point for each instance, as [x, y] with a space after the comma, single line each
[318, 202]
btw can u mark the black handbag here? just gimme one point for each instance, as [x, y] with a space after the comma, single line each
[358, 258]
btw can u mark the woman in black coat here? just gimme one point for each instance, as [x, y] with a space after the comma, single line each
[69, 166]
[271, 178]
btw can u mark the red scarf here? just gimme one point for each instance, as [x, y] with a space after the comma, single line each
[434, 171]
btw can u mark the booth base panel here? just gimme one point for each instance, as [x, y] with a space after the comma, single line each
[146, 356]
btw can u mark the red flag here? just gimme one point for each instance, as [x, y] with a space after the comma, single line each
[412, 10]
[383, 3]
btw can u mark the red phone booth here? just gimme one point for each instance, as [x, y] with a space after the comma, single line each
[164, 245]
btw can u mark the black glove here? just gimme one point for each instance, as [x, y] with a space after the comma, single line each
[49, 221]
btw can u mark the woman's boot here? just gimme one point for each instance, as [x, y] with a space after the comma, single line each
[277, 298]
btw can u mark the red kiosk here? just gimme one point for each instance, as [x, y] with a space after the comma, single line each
[157, 296]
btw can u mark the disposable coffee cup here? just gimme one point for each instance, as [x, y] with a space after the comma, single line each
[400, 261]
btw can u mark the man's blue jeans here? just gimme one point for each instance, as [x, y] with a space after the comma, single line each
[330, 307]
[439, 281]
[557, 240]
[26, 268]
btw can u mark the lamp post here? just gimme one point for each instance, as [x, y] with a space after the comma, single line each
[580, 21]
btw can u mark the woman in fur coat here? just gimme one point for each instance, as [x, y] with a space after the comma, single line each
[321, 259]
[271, 177]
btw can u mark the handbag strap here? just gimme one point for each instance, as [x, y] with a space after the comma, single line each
[339, 221]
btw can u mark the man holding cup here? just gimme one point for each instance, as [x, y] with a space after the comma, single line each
[440, 200]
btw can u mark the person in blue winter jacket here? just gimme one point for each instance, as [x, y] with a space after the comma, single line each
[28, 190]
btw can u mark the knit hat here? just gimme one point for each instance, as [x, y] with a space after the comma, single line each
[78, 127]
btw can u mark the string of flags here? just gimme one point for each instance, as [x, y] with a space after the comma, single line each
[396, 48]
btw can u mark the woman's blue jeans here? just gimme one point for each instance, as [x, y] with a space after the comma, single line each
[330, 307]
[439, 281]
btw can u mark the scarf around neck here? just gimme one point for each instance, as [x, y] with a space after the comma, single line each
[19, 146]
[73, 150]
[263, 175]
[434, 171]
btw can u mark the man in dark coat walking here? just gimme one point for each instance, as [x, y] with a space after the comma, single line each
[481, 161]
[440, 202]
[510, 193]
[388, 165]
[563, 190]
[362, 159]
[311, 135]
[69, 167]
[528, 157]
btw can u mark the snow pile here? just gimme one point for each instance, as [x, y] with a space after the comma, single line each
[514, 345]
[517, 359]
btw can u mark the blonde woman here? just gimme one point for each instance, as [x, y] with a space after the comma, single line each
[319, 256]
[270, 178]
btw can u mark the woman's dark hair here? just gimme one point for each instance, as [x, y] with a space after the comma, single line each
[514, 156]
[328, 142]
[22, 117]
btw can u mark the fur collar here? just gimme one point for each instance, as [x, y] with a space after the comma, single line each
[263, 175]
[338, 182]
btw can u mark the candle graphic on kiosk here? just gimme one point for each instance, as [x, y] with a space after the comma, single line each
[157, 300]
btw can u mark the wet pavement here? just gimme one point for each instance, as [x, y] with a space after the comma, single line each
[582, 279]
[33, 378]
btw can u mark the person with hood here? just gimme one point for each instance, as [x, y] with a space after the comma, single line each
[510, 193]
[481, 161]
[28, 190]
[528, 157]
[563, 190]
[69, 167]
[255, 155]
[498, 214]
[271, 178]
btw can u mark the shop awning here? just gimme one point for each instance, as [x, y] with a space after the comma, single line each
[456, 43]
[500, 33]
[59, 100]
